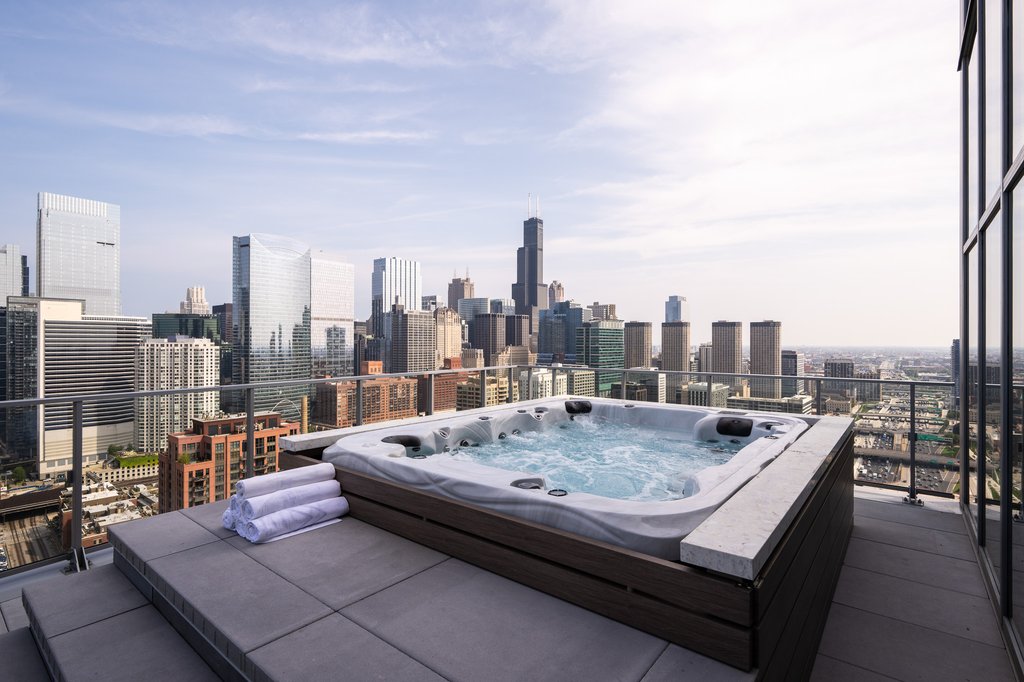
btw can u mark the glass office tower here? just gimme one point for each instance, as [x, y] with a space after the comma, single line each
[991, 359]
[332, 301]
[78, 252]
[271, 307]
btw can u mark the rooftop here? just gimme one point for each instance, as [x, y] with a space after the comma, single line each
[910, 604]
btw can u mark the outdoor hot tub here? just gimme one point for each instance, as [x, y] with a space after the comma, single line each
[635, 475]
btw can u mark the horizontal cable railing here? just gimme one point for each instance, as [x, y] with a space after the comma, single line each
[881, 434]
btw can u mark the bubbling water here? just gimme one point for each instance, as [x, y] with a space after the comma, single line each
[604, 458]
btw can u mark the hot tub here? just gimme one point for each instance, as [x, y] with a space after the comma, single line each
[436, 455]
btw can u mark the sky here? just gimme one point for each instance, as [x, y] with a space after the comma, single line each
[791, 160]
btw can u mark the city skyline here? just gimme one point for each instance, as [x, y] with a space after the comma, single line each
[420, 139]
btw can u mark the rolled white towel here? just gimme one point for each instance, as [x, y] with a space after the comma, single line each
[228, 519]
[234, 505]
[271, 483]
[253, 507]
[266, 528]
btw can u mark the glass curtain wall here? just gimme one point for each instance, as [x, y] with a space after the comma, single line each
[992, 289]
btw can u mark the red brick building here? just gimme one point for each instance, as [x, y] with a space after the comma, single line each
[203, 465]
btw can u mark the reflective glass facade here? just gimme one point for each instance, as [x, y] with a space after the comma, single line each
[332, 301]
[394, 280]
[78, 252]
[12, 273]
[272, 317]
[991, 373]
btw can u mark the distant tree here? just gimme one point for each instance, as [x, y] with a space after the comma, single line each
[112, 450]
[19, 474]
[183, 458]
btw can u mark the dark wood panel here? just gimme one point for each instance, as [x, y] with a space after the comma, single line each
[824, 524]
[712, 637]
[290, 460]
[794, 619]
[687, 587]
[775, 570]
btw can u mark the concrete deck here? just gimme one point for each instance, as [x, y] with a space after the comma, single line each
[350, 601]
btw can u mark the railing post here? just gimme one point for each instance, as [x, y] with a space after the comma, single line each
[250, 433]
[78, 562]
[912, 497]
[529, 383]
[510, 398]
[483, 388]
[711, 381]
[359, 402]
[817, 397]
[430, 394]
[625, 375]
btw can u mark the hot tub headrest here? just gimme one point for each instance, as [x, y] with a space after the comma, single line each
[737, 427]
[407, 441]
[578, 406]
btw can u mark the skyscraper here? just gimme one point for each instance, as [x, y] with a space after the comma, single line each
[178, 362]
[332, 313]
[677, 309]
[675, 354]
[78, 252]
[556, 293]
[599, 343]
[792, 366]
[529, 291]
[502, 306]
[413, 341]
[195, 302]
[766, 358]
[517, 330]
[225, 323]
[727, 350]
[13, 273]
[603, 311]
[839, 367]
[488, 334]
[638, 339]
[394, 280]
[271, 310]
[447, 336]
[458, 289]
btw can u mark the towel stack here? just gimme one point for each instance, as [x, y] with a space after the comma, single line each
[267, 507]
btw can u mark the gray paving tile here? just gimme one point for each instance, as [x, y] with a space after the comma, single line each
[215, 585]
[469, 624]
[908, 652]
[14, 614]
[677, 663]
[136, 645]
[158, 536]
[917, 566]
[344, 562]
[946, 543]
[334, 648]
[828, 669]
[910, 515]
[61, 604]
[20, 659]
[209, 517]
[956, 613]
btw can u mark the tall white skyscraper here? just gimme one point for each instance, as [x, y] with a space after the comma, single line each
[394, 280]
[13, 273]
[195, 302]
[177, 362]
[78, 252]
[677, 309]
[332, 306]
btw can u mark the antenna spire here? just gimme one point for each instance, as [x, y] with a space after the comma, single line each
[529, 205]
[538, 206]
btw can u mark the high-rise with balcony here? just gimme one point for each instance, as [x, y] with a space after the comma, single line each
[529, 292]
[177, 362]
[271, 310]
[677, 309]
[332, 315]
[458, 289]
[675, 354]
[78, 252]
[394, 280]
[603, 311]
[766, 358]
[195, 302]
[13, 273]
[637, 340]
[727, 350]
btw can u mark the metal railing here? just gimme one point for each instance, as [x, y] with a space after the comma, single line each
[76, 555]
